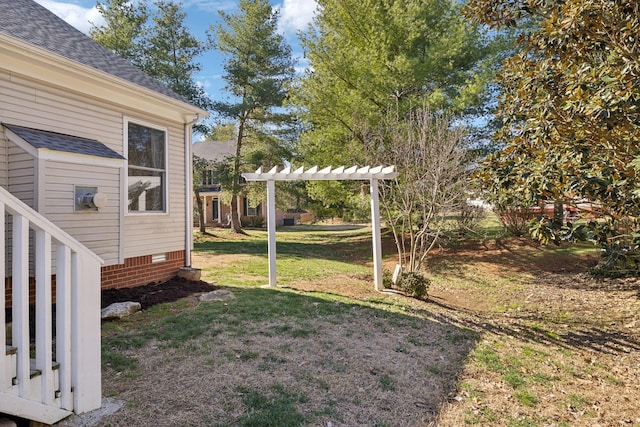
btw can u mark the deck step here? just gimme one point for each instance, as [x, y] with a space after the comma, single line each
[36, 372]
[9, 350]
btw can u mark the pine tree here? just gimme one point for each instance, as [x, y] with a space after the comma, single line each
[170, 52]
[257, 70]
[124, 28]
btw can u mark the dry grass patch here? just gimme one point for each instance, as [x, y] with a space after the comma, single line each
[340, 363]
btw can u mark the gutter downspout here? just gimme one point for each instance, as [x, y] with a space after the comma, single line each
[188, 198]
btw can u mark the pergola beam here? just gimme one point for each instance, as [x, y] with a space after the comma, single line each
[326, 174]
[335, 174]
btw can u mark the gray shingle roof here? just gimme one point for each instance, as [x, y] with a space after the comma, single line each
[60, 142]
[26, 20]
[214, 150]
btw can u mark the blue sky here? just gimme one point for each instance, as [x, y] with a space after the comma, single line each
[294, 15]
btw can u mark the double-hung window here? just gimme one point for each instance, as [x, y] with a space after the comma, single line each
[147, 168]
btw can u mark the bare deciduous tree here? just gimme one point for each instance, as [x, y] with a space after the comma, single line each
[432, 159]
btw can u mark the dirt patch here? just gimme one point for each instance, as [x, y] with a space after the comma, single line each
[156, 292]
[357, 286]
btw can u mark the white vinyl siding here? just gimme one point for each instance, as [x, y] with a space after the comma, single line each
[3, 160]
[96, 230]
[32, 104]
[21, 175]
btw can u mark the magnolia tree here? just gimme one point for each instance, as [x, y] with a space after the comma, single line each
[570, 108]
[432, 159]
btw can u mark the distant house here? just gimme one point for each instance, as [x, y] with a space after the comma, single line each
[95, 192]
[216, 212]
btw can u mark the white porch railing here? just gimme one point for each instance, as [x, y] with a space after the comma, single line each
[60, 374]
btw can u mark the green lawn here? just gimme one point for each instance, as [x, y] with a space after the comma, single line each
[513, 334]
[303, 253]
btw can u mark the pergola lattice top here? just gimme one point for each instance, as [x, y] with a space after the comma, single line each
[328, 173]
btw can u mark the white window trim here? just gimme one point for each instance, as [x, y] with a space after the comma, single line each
[125, 189]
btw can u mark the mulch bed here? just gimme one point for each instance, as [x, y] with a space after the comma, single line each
[156, 293]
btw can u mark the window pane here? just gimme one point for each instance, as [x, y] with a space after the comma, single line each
[146, 191]
[146, 146]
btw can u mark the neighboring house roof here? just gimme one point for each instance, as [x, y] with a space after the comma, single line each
[60, 142]
[214, 150]
[26, 20]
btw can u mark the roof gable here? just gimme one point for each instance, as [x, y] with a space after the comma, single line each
[32, 23]
[214, 150]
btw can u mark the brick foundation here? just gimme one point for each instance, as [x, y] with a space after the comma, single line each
[141, 271]
[135, 271]
[32, 290]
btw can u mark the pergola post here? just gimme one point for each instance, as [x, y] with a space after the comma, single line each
[271, 230]
[376, 236]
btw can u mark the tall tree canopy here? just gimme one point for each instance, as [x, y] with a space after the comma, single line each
[258, 69]
[164, 48]
[367, 57]
[124, 28]
[569, 106]
[370, 57]
[170, 52]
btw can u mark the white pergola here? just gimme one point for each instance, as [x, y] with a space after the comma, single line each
[366, 173]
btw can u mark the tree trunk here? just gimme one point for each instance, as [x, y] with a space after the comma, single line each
[558, 213]
[236, 225]
[200, 211]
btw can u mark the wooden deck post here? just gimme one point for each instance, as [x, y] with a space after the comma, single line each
[271, 229]
[376, 236]
[85, 334]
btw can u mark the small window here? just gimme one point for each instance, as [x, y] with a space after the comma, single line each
[209, 178]
[206, 177]
[248, 210]
[147, 171]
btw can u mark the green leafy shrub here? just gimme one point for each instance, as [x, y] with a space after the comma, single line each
[414, 284]
[619, 242]
[252, 221]
[387, 278]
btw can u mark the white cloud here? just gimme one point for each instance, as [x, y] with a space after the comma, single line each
[296, 14]
[80, 17]
[302, 64]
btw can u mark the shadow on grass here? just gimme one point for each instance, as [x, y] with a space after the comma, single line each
[503, 258]
[351, 248]
[528, 328]
[521, 255]
[345, 362]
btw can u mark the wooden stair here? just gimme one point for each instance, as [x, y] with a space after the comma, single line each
[12, 351]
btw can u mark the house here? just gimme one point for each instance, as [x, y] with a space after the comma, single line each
[77, 118]
[95, 183]
[216, 212]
